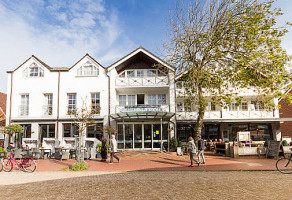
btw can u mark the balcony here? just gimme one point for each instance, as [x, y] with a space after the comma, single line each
[224, 114]
[158, 81]
[142, 108]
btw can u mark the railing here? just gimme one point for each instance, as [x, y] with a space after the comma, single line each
[141, 108]
[23, 110]
[227, 115]
[142, 81]
[47, 110]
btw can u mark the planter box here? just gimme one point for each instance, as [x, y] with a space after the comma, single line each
[287, 149]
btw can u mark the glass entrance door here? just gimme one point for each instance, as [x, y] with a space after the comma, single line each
[138, 132]
[147, 136]
[156, 135]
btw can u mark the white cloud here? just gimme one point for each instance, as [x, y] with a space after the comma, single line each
[59, 33]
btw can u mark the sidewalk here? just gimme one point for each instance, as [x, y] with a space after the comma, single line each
[149, 160]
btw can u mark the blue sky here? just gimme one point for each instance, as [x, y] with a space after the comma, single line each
[60, 32]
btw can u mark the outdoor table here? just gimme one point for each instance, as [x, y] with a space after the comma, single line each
[43, 152]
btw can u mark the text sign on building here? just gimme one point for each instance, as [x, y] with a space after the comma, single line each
[243, 136]
[129, 109]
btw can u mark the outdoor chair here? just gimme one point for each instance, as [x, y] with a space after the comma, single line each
[87, 153]
[17, 154]
[61, 154]
[36, 153]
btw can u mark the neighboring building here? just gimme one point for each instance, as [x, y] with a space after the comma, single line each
[286, 115]
[224, 123]
[138, 96]
[3, 98]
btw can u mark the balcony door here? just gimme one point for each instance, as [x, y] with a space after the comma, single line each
[140, 99]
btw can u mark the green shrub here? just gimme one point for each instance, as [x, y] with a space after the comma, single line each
[179, 144]
[266, 143]
[173, 144]
[79, 166]
[285, 143]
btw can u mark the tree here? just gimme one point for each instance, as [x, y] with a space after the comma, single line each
[82, 117]
[13, 129]
[220, 45]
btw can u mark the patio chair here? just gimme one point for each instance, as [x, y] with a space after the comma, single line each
[17, 154]
[87, 153]
[36, 153]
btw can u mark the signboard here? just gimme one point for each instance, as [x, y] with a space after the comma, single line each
[273, 149]
[243, 136]
[129, 109]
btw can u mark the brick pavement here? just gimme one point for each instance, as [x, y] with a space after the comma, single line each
[149, 160]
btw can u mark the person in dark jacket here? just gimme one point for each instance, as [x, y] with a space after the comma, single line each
[201, 147]
[103, 151]
[192, 150]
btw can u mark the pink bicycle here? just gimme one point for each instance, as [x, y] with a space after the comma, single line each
[26, 163]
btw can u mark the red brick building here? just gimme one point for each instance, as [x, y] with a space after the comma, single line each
[286, 112]
[3, 98]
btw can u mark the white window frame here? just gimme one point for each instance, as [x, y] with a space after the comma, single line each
[24, 105]
[152, 99]
[131, 100]
[71, 106]
[161, 99]
[88, 69]
[48, 104]
[33, 71]
[122, 100]
[95, 102]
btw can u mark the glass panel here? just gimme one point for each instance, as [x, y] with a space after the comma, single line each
[244, 106]
[130, 74]
[147, 136]
[120, 137]
[95, 103]
[129, 136]
[140, 73]
[233, 107]
[156, 135]
[151, 73]
[122, 100]
[140, 99]
[138, 135]
[161, 99]
[51, 131]
[66, 130]
[131, 100]
[152, 99]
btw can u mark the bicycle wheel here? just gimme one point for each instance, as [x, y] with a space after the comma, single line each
[284, 165]
[1, 165]
[28, 165]
[7, 165]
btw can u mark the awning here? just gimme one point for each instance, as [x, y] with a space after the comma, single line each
[142, 115]
[241, 120]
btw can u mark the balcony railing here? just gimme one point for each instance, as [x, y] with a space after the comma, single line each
[47, 110]
[227, 115]
[142, 108]
[23, 110]
[142, 81]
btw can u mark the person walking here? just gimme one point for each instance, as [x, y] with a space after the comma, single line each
[193, 150]
[201, 147]
[114, 150]
[103, 150]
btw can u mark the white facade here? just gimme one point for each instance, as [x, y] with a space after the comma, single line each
[137, 95]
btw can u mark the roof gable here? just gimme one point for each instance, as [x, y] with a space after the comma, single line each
[87, 56]
[144, 51]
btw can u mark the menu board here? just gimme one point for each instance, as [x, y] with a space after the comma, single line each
[243, 136]
[273, 149]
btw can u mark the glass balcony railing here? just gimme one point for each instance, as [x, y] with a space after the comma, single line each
[142, 81]
[142, 108]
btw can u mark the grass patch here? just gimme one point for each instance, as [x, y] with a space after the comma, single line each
[76, 167]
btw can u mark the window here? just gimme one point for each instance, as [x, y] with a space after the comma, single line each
[161, 73]
[130, 73]
[48, 107]
[140, 99]
[213, 107]
[88, 69]
[131, 100]
[95, 131]
[257, 105]
[47, 131]
[71, 103]
[70, 130]
[24, 105]
[152, 99]
[233, 107]
[161, 99]
[151, 73]
[26, 130]
[140, 73]
[95, 103]
[33, 71]
[244, 106]
[122, 100]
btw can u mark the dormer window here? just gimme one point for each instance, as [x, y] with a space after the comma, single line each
[88, 69]
[33, 71]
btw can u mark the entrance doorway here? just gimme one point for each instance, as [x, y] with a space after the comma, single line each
[139, 136]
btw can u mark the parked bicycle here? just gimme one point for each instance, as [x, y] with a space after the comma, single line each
[1, 164]
[26, 163]
[284, 165]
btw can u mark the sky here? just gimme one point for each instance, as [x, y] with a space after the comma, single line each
[60, 32]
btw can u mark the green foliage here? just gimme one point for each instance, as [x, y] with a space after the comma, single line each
[285, 143]
[179, 144]
[266, 144]
[80, 166]
[173, 144]
[14, 129]
[222, 46]
[3, 152]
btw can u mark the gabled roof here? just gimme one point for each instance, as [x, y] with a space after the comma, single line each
[97, 63]
[138, 50]
[36, 58]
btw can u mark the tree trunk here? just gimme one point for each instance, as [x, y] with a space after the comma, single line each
[201, 114]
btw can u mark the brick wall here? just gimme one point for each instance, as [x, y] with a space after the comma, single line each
[3, 98]
[286, 112]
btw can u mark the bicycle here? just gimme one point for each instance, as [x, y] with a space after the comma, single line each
[26, 163]
[284, 165]
[1, 164]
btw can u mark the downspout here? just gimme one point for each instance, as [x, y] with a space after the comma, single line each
[58, 104]
[10, 106]
[109, 97]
